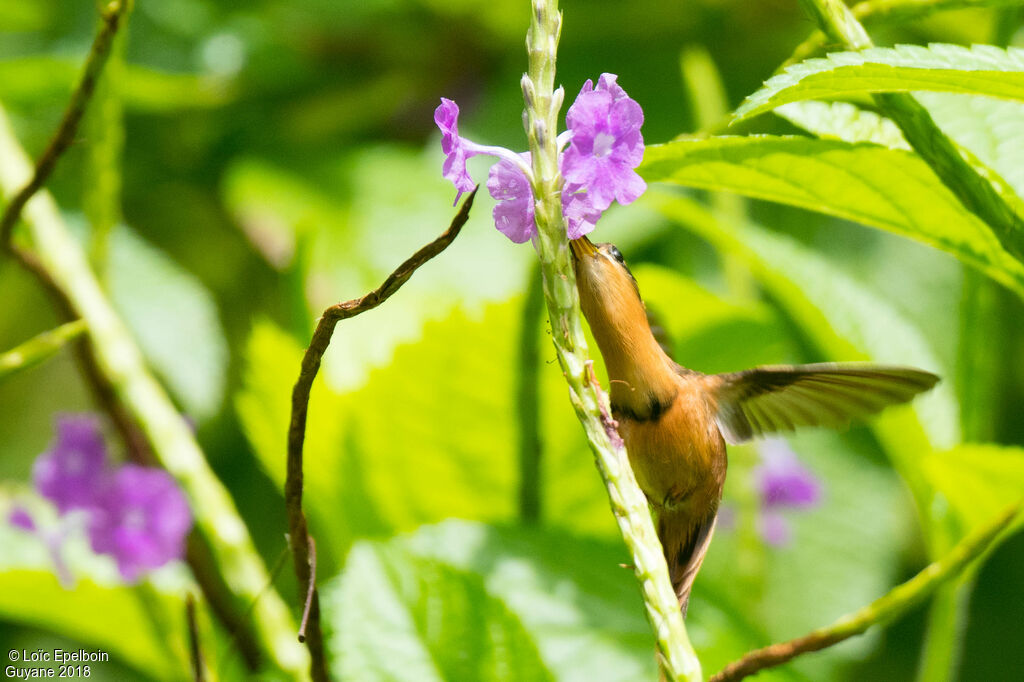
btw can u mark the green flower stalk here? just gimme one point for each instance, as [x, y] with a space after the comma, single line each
[628, 503]
[554, 192]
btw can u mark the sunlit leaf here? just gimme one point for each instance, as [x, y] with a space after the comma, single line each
[431, 435]
[992, 129]
[274, 208]
[843, 121]
[887, 188]
[978, 70]
[400, 617]
[175, 320]
[978, 480]
[576, 612]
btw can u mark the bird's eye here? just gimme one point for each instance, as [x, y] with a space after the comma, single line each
[616, 254]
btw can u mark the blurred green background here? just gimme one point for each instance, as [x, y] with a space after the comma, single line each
[281, 156]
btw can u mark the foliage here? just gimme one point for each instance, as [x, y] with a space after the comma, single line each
[979, 70]
[273, 159]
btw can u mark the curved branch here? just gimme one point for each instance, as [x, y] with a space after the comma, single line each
[899, 600]
[111, 17]
[298, 532]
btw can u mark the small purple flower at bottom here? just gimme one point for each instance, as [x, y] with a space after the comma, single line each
[71, 472]
[141, 520]
[783, 482]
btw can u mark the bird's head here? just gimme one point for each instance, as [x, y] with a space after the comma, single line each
[610, 299]
[603, 277]
[609, 295]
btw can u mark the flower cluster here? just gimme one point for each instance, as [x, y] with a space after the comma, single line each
[137, 515]
[599, 153]
[783, 483]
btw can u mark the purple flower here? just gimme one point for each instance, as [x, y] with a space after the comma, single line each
[513, 214]
[71, 472]
[783, 483]
[580, 214]
[774, 528]
[446, 116]
[606, 144]
[141, 520]
[20, 518]
[135, 514]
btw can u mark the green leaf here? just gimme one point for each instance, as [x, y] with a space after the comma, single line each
[843, 121]
[105, 618]
[175, 320]
[429, 436]
[978, 70]
[886, 188]
[992, 129]
[978, 480]
[525, 602]
[39, 348]
[399, 617]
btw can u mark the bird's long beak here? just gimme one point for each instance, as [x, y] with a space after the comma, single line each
[582, 247]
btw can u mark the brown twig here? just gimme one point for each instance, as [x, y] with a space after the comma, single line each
[882, 610]
[309, 592]
[110, 16]
[195, 653]
[298, 531]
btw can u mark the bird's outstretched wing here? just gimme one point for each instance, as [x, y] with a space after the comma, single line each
[767, 399]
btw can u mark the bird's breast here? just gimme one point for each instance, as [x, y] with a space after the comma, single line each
[677, 453]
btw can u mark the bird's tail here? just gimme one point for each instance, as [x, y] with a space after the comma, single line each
[685, 543]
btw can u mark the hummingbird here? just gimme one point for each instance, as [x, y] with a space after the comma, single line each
[675, 422]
